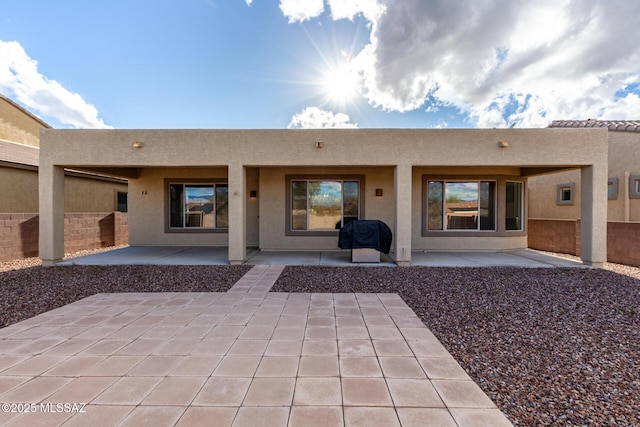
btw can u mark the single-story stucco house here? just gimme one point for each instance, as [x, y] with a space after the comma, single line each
[437, 189]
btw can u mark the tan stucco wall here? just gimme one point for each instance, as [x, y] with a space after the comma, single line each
[19, 190]
[543, 196]
[18, 126]
[274, 208]
[91, 195]
[624, 157]
[147, 208]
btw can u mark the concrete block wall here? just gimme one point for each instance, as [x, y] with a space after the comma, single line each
[120, 228]
[82, 231]
[563, 236]
[554, 235]
[18, 235]
[622, 242]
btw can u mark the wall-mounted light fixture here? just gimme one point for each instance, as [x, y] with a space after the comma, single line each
[319, 144]
[253, 194]
[503, 144]
[378, 192]
[138, 144]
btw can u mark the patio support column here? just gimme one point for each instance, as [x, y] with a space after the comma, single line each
[402, 234]
[593, 212]
[51, 217]
[237, 177]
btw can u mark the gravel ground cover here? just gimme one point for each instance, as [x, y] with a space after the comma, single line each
[554, 347]
[27, 292]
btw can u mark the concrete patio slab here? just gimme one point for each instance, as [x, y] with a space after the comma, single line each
[183, 255]
[155, 255]
[289, 366]
[517, 258]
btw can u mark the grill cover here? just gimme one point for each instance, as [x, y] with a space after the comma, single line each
[358, 234]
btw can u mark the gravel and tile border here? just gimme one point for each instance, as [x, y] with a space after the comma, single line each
[27, 292]
[549, 346]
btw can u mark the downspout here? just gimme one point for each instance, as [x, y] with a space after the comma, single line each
[626, 195]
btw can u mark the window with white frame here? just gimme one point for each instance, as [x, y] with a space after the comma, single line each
[461, 205]
[514, 206]
[198, 206]
[564, 194]
[323, 204]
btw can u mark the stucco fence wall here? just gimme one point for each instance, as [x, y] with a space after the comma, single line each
[91, 230]
[563, 236]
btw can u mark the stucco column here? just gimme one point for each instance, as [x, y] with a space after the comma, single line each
[51, 219]
[593, 215]
[237, 214]
[402, 234]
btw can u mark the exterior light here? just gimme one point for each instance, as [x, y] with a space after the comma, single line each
[378, 192]
[137, 144]
[503, 144]
[253, 194]
[319, 144]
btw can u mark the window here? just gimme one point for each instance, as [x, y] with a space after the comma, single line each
[513, 206]
[564, 194]
[612, 188]
[323, 204]
[457, 205]
[198, 206]
[634, 187]
[121, 200]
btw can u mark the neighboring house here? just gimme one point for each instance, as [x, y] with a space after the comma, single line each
[88, 198]
[19, 152]
[558, 196]
[437, 189]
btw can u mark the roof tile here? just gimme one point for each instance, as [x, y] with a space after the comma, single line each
[615, 125]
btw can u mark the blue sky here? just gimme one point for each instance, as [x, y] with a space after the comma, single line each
[314, 63]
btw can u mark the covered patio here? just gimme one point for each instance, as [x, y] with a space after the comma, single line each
[197, 255]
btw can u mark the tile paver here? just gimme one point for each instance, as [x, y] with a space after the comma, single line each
[245, 357]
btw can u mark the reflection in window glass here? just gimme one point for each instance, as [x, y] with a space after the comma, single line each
[199, 205]
[565, 194]
[434, 205]
[461, 207]
[324, 205]
[513, 206]
[195, 206]
[299, 205]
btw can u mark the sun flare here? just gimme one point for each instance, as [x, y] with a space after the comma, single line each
[340, 84]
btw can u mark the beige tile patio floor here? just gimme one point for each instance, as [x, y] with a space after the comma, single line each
[247, 357]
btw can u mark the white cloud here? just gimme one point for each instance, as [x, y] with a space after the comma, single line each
[501, 62]
[249, 2]
[301, 10]
[348, 9]
[316, 118]
[19, 77]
